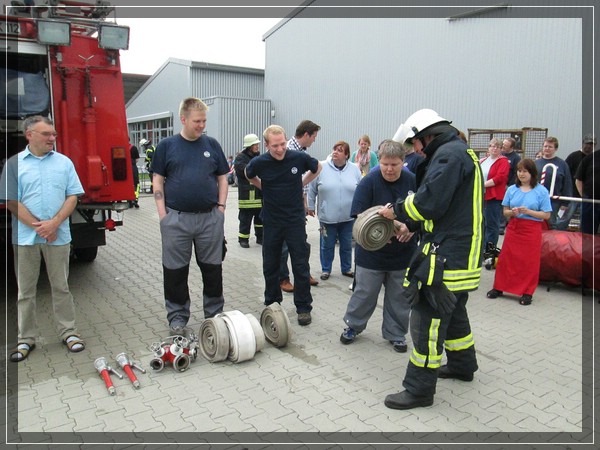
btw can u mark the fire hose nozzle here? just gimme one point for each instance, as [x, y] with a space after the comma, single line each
[126, 364]
[101, 365]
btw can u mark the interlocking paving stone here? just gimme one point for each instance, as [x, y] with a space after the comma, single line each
[528, 380]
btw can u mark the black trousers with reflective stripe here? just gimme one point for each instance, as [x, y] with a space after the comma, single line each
[245, 217]
[421, 381]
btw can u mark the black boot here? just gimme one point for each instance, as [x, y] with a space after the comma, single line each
[244, 243]
[259, 240]
[405, 400]
[444, 372]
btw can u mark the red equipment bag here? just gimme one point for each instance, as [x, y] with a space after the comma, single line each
[569, 257]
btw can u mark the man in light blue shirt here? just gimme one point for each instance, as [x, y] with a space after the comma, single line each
[40, 187]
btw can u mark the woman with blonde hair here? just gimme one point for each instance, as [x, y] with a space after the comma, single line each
[364, 158]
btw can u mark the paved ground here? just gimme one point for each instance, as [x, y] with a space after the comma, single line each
[528, 390]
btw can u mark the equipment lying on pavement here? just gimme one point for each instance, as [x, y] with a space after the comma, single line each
[231, 335]
[104, 370]
[126, 364]
[276, 325]
[180, 352]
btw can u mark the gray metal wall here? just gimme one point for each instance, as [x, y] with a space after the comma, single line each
[235, 95]
[205, 83]
[230, 119]
[365, 76]
[161, 93]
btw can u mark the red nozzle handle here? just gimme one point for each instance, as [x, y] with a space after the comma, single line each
[129, 372]
[106, 377]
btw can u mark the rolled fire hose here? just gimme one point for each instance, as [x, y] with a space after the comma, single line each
[276, 325]
[242, 342]
[372, 231]
[259, 334]
[214, 339]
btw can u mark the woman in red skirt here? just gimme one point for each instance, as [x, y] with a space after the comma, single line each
[526, 205]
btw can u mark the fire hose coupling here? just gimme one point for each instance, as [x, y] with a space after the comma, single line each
[101, 365]
[176, 351]
[127, 364]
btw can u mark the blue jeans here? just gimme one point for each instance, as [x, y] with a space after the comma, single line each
[330, 232]
[492, 215]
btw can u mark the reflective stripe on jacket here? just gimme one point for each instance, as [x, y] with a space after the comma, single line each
[449, 204]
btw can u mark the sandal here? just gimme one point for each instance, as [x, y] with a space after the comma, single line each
[74, 344]
[494, 293]
[526, 299]
[325, 276]
[348, 274]
[22, 352]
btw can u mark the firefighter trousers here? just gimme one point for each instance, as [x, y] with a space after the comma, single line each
[431, 332]
[245, 216]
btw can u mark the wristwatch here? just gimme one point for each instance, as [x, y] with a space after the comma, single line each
[221, 205]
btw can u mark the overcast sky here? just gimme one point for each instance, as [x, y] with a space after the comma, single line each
[235, 41]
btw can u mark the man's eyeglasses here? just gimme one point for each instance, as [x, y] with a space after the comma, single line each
[46, 134]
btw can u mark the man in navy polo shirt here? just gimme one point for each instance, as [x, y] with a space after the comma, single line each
[190, 190]
[279, 174]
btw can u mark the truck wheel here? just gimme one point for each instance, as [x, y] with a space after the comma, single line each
[87, 254]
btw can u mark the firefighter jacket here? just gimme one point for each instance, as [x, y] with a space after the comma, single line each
[449, 206]
[249, 196]
[150, 150]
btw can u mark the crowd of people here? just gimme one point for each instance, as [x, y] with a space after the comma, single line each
[444, 202]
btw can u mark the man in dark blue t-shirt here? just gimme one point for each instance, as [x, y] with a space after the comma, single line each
[279, 174]
[190, 189]
[386, 266]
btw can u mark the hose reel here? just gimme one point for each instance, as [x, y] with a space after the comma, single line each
[372, 231]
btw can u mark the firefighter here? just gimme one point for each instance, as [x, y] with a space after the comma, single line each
[249, 196]
[149, 150]
[135, 155]
[448, 208]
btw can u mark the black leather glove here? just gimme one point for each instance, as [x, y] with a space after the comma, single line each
[440, 298]
[411, 293]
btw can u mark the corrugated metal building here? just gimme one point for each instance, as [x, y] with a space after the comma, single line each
[235, 96]
[486, 69]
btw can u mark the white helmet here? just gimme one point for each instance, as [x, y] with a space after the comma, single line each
[144, 141]
[402, 134]
[250, 139]
[416, 123]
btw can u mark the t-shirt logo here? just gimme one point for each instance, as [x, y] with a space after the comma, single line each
[207, 154]
[294, 170]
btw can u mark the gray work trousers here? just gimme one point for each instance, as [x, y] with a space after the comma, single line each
[363, 302]
[180, 231]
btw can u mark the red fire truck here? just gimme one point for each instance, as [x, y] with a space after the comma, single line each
[61, 60]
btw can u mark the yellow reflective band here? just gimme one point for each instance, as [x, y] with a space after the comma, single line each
[429, 226]
[244, 236]
[417, 359]
[431, 269]
[462, 280]
[460, 344]
[411, 210]
[246, 204]
[477, 235]
[434, 360]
